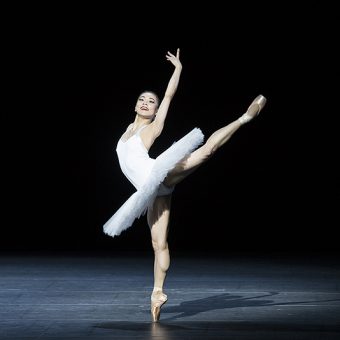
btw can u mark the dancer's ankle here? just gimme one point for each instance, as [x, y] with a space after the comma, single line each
[157, 289]
[245, 118]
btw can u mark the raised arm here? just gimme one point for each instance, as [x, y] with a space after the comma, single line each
[159, 120]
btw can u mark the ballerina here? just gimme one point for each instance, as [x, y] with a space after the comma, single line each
[155, 179]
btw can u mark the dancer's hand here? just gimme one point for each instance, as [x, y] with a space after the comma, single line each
[174, 59]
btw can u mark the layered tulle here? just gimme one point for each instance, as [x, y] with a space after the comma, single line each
[138, 203]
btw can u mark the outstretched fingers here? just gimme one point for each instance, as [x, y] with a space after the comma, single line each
[170, 56]
[174, 59]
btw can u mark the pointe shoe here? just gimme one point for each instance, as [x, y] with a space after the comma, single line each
[259, 102]
[156, 304]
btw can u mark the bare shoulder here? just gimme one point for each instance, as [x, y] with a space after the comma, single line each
[127, 133]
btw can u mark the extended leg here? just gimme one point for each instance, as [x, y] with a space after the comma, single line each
[214, 142]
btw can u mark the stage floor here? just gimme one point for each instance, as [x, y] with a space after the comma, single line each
[89, 296]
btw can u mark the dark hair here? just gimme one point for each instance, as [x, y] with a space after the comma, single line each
[153, 93]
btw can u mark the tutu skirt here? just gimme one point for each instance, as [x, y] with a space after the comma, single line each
[138, 203]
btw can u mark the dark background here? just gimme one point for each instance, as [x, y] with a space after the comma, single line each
[273, 187]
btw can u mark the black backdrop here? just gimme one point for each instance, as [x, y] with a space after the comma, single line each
[273, 186]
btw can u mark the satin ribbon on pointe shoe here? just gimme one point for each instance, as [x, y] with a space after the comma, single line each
[156, 304]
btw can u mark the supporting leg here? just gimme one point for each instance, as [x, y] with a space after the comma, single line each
[158, 220]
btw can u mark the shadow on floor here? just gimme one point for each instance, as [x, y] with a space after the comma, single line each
[169, 328]
[226, 300]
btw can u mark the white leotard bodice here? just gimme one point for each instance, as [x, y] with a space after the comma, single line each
[134, 159]
[147, 175]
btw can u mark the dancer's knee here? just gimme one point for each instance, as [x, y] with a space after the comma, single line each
[208, 151]
[159, 246]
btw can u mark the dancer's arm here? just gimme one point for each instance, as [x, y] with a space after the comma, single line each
[159, 120]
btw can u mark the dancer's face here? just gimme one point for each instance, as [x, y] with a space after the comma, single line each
[147, 105]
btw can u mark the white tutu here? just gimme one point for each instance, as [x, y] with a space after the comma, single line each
[138, 203]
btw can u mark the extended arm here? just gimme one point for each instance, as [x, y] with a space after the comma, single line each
[159, 120]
